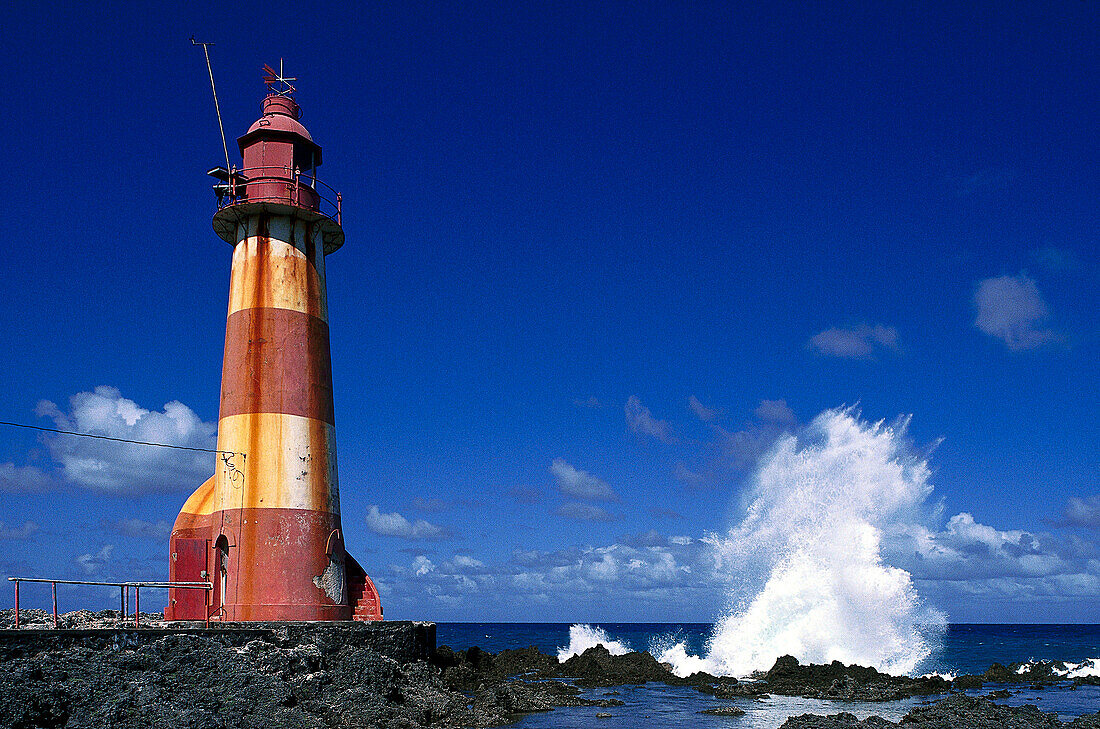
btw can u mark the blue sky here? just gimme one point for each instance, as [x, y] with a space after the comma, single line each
[597, 260]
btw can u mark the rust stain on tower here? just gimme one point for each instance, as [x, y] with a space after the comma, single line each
[265, 528]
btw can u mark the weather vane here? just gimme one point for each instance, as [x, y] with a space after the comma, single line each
[277, 82]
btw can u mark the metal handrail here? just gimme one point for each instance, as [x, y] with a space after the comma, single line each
[334, 199]
[124, 591]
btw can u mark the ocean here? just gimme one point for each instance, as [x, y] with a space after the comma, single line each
[962, 648]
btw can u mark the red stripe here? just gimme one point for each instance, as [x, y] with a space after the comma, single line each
[274, 556]
[277, 361]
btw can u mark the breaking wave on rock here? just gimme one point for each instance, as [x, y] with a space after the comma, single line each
[583, 637]
[805, 564]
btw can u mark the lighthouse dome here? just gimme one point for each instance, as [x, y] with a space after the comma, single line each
[278, 122]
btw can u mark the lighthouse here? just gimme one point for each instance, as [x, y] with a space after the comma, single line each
[265, 529]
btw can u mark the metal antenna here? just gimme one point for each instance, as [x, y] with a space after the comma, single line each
[217, 108]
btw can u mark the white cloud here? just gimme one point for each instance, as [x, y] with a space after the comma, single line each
[22, 532]
[707, 415]
[581, 484]
[640, 420]
[617, 568]
[775, 411]
[1082, 512]
[857, 342]
[395, 525]
[583, 512]
[968, 551]
[125, 468]
[139, 528]
[24, 479]
[465, 563]
[1011, 309]
[676, 574]
[94, 563]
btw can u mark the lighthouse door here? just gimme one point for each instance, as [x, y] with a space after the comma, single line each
[189, 558]
[221, 570]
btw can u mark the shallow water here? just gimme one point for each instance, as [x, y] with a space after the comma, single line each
[965, 649]
[673, 706]
[658, 705]
[676, 706]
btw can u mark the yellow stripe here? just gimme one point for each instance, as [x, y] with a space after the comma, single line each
[289, 463]
[202, 500]
[268, 272]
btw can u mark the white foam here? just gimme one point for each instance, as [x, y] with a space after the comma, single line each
[583, 637]
[948, 676]
[674, 652]
[808, 578]
[1089, 667]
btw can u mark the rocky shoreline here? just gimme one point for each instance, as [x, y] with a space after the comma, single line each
[327, 678]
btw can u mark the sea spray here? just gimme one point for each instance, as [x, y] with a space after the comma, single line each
[808, 574]
[583, 637]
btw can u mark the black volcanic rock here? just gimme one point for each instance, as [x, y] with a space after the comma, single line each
[954, 712]
[320, 676]
[998, 673]
[967, 682]
[597, 667]
[724, 711]
[731, 688]
[849, 683]
[843, 720]
[978, 713]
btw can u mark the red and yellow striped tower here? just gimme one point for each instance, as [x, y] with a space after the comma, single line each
[265, 529]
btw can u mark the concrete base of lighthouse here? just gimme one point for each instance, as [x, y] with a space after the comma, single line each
[403, 641]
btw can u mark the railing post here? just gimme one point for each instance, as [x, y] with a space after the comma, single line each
[17, 604]
[126, 598]
[339, 205]
[121, 603]
[137, 604]
[54, 586]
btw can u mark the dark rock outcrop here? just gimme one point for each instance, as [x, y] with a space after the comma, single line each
[843, 720]
[966, 682]
[954, 712]
[731, 688]
[849, 683]
[597, 667]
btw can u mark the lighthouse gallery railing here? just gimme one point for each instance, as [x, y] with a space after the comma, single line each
[235, 190]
